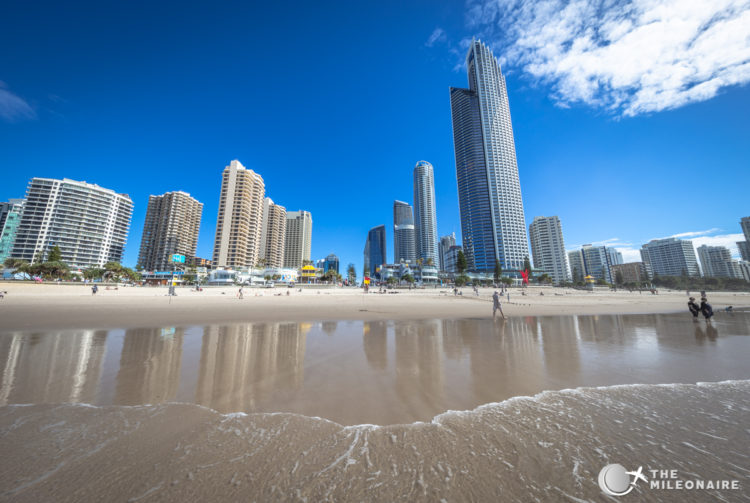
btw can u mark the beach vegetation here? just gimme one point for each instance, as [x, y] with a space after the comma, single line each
[701, 283]
[461, 262]
[461, 280]
[498, 270]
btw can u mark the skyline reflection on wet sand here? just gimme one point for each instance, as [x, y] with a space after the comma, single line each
[379, 372]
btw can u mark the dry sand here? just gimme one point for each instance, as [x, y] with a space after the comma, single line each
[31, 306]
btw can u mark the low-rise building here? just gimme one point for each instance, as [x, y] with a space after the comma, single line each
[632, 272]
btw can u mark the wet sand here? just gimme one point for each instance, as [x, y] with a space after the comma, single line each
[47, 306]
[228, 412]
[546, 448]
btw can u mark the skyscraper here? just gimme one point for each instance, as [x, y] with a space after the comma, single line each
[87, 222]
[596, 261]
[446, 242]
[240, 219]
[577, 267]
[172, 224]
[744, 246]
[717, 262]
[548, 247]
[375, 250]
[404, 245]
[489, 190]
[298, 240]
[425, 222]
[273, 234]
[10, 215]
[670, 257]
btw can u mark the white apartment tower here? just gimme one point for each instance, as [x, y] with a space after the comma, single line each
[425, 222]
[548, 247]
[239, 224]
[87, 222]
[273, 234]
[172, 224]
[298, 239]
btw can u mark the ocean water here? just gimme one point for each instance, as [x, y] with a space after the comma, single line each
[455, 410]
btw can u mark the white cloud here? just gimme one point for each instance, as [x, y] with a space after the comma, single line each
[692, 234]
[438, 35]
[626, 56]
[13, 107]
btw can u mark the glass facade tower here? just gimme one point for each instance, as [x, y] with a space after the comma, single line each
[403, 233]
[489, 191]
[375, 251]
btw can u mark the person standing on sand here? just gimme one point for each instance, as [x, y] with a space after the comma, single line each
[706, 309]
[94, 289]
[240, 294]
[694, 308]
[496, 305]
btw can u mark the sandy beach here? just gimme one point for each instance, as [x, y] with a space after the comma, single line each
[47, 306]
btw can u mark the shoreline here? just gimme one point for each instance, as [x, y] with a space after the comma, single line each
[48, 306]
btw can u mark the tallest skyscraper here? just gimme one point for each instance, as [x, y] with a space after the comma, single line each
[489, 191]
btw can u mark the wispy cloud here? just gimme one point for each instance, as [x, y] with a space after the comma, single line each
[626, 56]
[438, 35]
[12, 107]
[693, 234]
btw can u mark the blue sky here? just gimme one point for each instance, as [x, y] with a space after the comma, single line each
[630, 123]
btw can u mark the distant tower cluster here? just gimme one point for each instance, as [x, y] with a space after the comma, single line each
[548, 247]
[87, 222]
[238, 226]
[171, 227]
[273, 234]
[298, 238]
[489, 191]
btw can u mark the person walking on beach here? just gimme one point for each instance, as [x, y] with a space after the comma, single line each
[496, 305]
[694, 308]
[240, 294]
[94, 289]
[706, 309]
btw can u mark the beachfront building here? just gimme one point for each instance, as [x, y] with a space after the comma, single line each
[450, 259]
[446, 242]
[744, 267]
[425, 220]
[375, 250]
[596, 262]
[670, 257]
[240, 219]
[10, 215]
[632, 272]
[717, 262]
[548, 247]
[171, 228]
[577, 267]
[744, 246]
[199, 262]
[489, 190]
[87, 222]
[272, 234]
[298, 238]
[331, 262]
[614, 257]
[404, 243]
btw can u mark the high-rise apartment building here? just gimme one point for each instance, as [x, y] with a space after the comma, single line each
[10, 216]
[425, 221]
[670, 257]
[489, 190]
[446, 242]
[240, 220]
[87, 222]
[172, 224]
[596, 262]
[404, 244]
[548, 247]
[614, 257]
[717, 262]
[273, 234]
[298, 240]
[331, 262]
[744, 246]
[375, 250]
[577, 267]
[450, 259]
